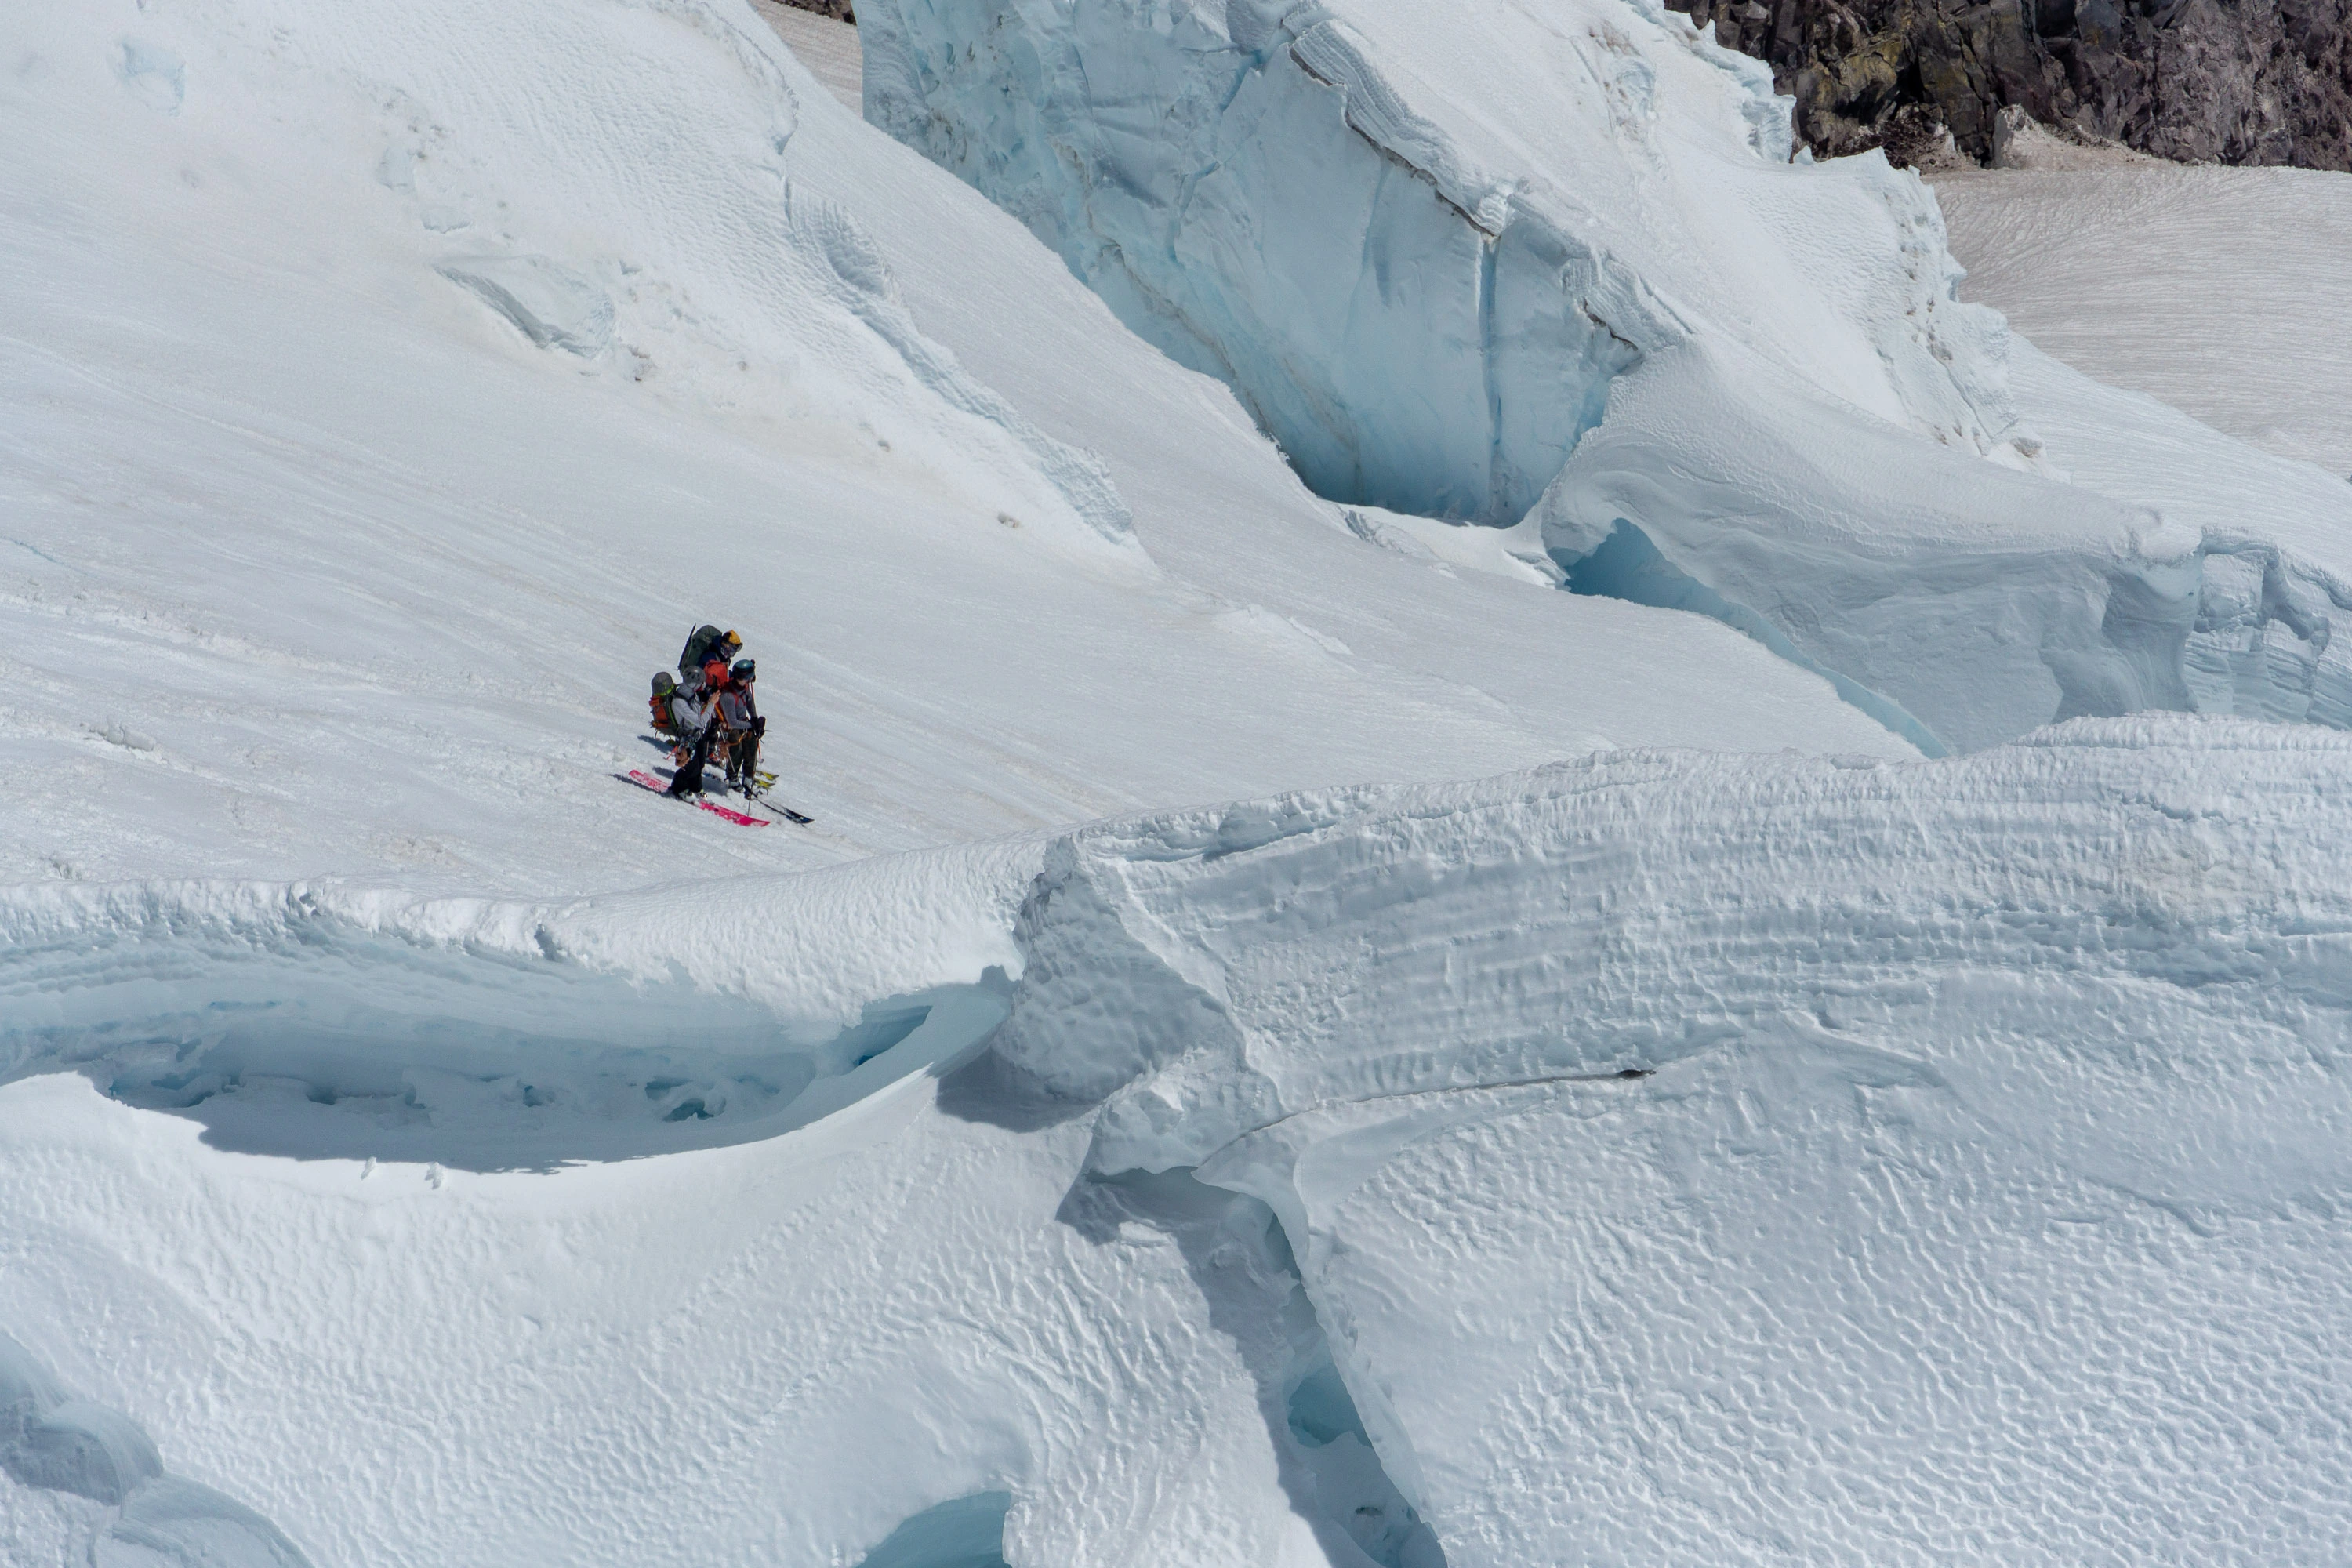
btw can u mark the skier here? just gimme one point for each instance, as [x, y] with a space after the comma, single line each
[706, 644]
[739, 715]
[694, 710]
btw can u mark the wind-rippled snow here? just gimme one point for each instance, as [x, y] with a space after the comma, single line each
[1735, 1147]
[2194, 285]
[1717, 1135]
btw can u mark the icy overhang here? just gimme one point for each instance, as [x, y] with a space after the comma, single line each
[1490, 263]
[1420, 249]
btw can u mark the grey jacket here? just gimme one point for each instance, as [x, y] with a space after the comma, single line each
[692, 712]
[737, 707]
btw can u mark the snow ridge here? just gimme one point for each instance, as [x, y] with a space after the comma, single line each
[2059, 905]
[1610, 1001]
[51, 1440]
[1184, 1069]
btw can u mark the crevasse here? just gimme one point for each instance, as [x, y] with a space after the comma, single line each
[1414, 307]
[1560, 263]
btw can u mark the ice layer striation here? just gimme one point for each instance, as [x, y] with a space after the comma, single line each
[1422, 257]
[1562, 264]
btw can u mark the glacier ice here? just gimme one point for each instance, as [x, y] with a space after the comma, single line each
[1420, 260]
[1668, 1150]
[1239, 1257]
[1983, 600]
[1868, 1104]
[551, 305]
[961, 1532]
[845, 434]
[51, 1442]
[1559, 265]
[1680, 1157]
[66, 1445]
[289, 1025]
[154, 75]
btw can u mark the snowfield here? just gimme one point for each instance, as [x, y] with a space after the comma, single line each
[1653, 1157]
[2129, 274]
[381, 578]
[1796, 1106]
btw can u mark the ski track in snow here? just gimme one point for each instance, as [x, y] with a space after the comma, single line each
[2193, 285]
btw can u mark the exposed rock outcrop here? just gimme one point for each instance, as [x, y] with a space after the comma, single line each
[2231, 81]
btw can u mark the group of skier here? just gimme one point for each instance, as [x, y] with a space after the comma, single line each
[709, 710]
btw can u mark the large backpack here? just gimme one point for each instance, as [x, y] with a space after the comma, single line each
[698, 649]
[665, 688]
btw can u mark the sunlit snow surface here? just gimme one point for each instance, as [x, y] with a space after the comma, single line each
[2194, 285]
[315, 564]
[1745, 1159]
[415, 1152]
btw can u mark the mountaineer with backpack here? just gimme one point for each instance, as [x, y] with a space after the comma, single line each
[707, 709]
[738, 716]
[665, 689]
[694, 719]
[706, 644]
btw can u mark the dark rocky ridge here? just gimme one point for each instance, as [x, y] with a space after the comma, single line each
[2231, 82]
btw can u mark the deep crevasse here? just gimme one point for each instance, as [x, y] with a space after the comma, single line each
[1560, 264]
[1420, 260]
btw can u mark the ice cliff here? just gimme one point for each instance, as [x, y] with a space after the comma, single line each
[1420, 254]
[1562, 264]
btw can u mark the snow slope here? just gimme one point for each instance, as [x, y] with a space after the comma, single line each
[1653, 1158]
[421, 1148]
[317, 563]
[2192, 285]
[1558, 265]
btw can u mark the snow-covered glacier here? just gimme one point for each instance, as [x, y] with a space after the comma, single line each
[1560, 263]
[1716, 1135]
[1653, 1158]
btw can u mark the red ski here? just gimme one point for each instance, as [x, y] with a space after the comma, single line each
[738, 818]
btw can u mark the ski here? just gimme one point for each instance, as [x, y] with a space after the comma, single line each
[786, 812]
[761, 784]
[740, 819]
